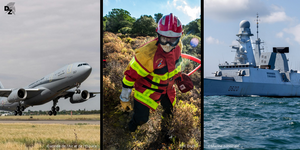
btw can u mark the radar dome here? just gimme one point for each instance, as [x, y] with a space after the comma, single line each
[245, 28]
[244, 24]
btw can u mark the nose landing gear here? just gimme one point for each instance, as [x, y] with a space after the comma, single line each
[77, 90]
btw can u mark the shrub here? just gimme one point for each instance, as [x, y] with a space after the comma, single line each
[185, 121]
[125, 30]
[129, 40]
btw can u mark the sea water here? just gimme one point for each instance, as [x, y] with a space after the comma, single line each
[251, 123]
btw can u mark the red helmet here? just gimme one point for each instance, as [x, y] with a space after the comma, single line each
[169, 26]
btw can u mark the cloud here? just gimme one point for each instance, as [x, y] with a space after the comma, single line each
[277, 14]
[294, 31]
[280, 34]
[182, 5]
[211, 40]
[221, 10]
[288, 40]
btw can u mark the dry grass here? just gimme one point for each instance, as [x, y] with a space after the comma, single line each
[36, 136]
[58, 117]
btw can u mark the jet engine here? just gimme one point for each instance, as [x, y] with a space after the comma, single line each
[80, 97]
[17, 95]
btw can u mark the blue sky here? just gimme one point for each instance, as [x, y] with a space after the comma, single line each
[185, 10]
[279, 26]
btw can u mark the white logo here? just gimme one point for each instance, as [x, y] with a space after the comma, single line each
[182, 87]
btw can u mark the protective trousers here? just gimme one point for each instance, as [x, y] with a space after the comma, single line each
[141, 112]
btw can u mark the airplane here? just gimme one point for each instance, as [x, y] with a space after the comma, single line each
[52, 87]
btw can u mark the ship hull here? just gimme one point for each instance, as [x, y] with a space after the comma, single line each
[233, 88]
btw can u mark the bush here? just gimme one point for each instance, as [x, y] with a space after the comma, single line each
[125, 30]
[185, 121]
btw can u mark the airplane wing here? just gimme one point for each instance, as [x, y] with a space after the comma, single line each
[5, 92]
[30, 92]
[69, 93]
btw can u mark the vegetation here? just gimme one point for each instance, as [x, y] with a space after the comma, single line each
[64, 112]
[144, 26]
[49, 136]
[47, 117]
[158, 16]
[194, 27]
[184, 126]
[120, 21]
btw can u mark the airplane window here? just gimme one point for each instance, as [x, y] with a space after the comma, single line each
[82, 64]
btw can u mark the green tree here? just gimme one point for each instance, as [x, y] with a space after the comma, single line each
[199, 25]
[193, 27]
[145, 25]
[187, 48]
[104, 23]
[117, 19]
[157, 17]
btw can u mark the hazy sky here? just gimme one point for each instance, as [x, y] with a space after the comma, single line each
[46, 35]
[185, 10]
[279, 26]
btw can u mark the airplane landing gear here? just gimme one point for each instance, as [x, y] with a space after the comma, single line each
[77, 90]
[50, 113]
[19, 110]
[54, 109]
[18, 113]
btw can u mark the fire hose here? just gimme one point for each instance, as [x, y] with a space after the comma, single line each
[192, 58]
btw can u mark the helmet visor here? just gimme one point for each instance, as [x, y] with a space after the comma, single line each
[173, 41]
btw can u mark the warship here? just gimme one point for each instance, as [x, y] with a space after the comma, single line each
[253, 72]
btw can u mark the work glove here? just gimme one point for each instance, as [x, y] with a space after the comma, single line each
[185, 83]
[125, 105]
[125, 97]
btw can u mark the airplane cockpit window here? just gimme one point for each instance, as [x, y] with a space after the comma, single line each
[82, 64]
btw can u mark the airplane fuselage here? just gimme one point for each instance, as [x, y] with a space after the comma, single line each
[51, 86]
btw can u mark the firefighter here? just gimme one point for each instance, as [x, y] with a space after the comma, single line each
[153, 70]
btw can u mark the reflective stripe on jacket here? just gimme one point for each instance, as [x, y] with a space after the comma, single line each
[152, 72]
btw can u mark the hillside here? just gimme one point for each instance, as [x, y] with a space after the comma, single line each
[184, 128]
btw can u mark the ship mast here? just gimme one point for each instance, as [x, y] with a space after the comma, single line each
[257, 24]
[257, 43]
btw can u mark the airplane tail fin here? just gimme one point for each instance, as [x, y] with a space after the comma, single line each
[1, 86]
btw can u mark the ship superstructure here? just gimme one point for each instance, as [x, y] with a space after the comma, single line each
[254, 72]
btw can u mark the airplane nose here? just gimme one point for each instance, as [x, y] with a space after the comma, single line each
[88, 69]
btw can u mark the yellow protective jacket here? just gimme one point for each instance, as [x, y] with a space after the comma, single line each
[152, 73]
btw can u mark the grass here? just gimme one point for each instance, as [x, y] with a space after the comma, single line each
[49, 136]
[58, 117]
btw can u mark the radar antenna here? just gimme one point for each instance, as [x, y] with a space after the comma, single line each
[257, 24]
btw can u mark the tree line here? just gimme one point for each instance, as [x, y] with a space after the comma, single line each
[120, 21]
[63, 112]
